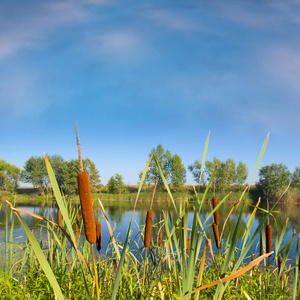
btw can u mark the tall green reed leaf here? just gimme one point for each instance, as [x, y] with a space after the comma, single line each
[296, 271]
[221, 288]
[41, 258]
[62, 206]
[120, 266]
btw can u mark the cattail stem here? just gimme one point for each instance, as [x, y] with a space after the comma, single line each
[261, 248]
[144, 275]
[95, 270]
[77, 230]
[79, 148]
[148, 228]
[216, 213]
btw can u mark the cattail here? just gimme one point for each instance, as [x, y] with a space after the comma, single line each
[115, 265]
[159, 242]
[99, 236]
[59, 218]
[268, 238]
[77, 229]
[261, 249]
[216, 234]
[148, 227]
[279, 265]
[86, 206]
[216, 213]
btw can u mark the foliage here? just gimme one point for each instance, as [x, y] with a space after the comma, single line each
[241, 174]
[35, 172]
[177, 172]
[116, 185]
[195, 169]
[273, 179]
[227, 174]
[163, 158]
[9, 176]
[296, 178]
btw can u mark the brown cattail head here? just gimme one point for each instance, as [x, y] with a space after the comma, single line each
[159, 241]
[86, 206]
[268, 238]
[115, 265]
[280, 259]
[59, 215]
[98, 236]
[148, 227]
[216, 213]
[261, 249]
[216, 234]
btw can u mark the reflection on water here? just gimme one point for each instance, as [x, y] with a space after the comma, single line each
[120, 212]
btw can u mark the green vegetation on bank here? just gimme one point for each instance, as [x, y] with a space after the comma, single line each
[229, 177]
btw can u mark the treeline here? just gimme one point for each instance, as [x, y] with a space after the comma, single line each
[35, 173]
[228, 175]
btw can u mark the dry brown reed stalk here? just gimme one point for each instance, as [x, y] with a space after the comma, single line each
[280, 259]
[216, 234]
[159, 239]
[98, 236]
[261, 249]
[59, 218]
[148, 228]
[216, 213]
[188, 244]
[77, 230]
[268, 238]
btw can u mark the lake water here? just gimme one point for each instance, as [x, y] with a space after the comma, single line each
[120, 212]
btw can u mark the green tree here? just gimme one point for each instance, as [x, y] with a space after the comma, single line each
[116, 185]
[69, 175]
[93, 173]
[241, 174]
[296, 178]
[273, 179]
[177, 172]
[210, 167]
[35, 172]
[163, 158]
[9, 176]
[195, 169]
[226, 174]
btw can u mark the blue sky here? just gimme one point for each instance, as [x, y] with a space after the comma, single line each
[136, 74]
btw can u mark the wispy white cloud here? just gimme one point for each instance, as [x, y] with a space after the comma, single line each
[170, 18]
[282, 63]
[118, 44]
[21, 95]
[27, 25]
